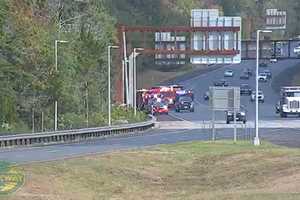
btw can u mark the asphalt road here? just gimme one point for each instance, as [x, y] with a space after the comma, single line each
[143, 140]
[288, 136]
[202, 83]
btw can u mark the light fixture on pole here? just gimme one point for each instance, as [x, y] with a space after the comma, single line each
[56, 61]
[108, 76]
[135, 54]
[256, 139]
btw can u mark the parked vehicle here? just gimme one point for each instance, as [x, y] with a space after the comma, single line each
[176, 87]
[206, 96]
[262, 77]
[228, 73]
[297, 50]
[160, 108]
[182, 93]
[261, 97]
[248, 71]
[169, 96]
[263, 64]
[273, 59]
[245, 89]
[289, 103]
[222, 83]
[184, 103]
[240, 117]
[268, 73]
[245, 76]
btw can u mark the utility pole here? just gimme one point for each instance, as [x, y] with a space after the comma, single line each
[108, 76]
[56, 61]
[87, 104]
[256, 139]
[135, 54]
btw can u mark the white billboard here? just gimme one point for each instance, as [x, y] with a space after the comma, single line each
[275, 19]
[215, 41]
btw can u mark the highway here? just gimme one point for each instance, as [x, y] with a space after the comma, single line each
[201, 84]
[169, 134]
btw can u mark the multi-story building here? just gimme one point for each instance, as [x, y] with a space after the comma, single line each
[167, 41]
[217, 38]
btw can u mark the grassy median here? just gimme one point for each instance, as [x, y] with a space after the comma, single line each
[196, 170]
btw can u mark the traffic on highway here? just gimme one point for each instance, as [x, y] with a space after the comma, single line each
[231, 75]
[193, 95]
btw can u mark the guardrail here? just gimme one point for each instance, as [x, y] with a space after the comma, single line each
[68, 136]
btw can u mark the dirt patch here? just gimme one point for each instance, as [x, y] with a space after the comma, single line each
[288, 182]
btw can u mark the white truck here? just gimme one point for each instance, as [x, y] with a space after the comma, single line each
[289, 103]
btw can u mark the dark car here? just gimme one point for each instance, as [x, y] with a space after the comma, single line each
[184, 103]
[206, 96]
[248, 71]
[240, 116]
[245, 89]
[222, 83]
[263, 64]
[245, 76]
[268, 73]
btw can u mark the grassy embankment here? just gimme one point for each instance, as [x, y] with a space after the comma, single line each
[165, 74]
[197, 170]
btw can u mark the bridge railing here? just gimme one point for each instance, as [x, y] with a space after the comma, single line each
[70, 136]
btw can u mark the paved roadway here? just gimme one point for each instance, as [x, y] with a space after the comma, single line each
[143, 140]
[201, 84]
[169, 134]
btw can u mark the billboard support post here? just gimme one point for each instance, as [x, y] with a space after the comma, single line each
[234, 121]
[213, 126]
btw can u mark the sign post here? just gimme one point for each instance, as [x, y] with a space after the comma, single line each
[224, 99]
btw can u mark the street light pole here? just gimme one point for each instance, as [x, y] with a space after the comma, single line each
[135, 54]
[108, 76]
[56, 61]
[256, 139]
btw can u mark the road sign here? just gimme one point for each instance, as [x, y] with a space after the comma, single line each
[224, 98]
[276, 19]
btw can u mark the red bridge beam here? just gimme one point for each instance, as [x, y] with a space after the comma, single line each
[179, 29]
[192, 52]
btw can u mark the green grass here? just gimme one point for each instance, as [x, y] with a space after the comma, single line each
[193, 170]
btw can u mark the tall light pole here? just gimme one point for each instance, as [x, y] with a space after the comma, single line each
[108, 76]
[256, 139]
[135, 54]
[56, 61]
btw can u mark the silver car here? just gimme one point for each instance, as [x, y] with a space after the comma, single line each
[261, 97]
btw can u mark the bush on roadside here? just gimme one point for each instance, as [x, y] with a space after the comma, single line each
[122, 114]
[98, 119]
[71, 121]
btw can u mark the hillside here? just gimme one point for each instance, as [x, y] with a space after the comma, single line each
[177, 12]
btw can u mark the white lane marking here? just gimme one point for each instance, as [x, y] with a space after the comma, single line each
[180, 118]
[294, 124]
